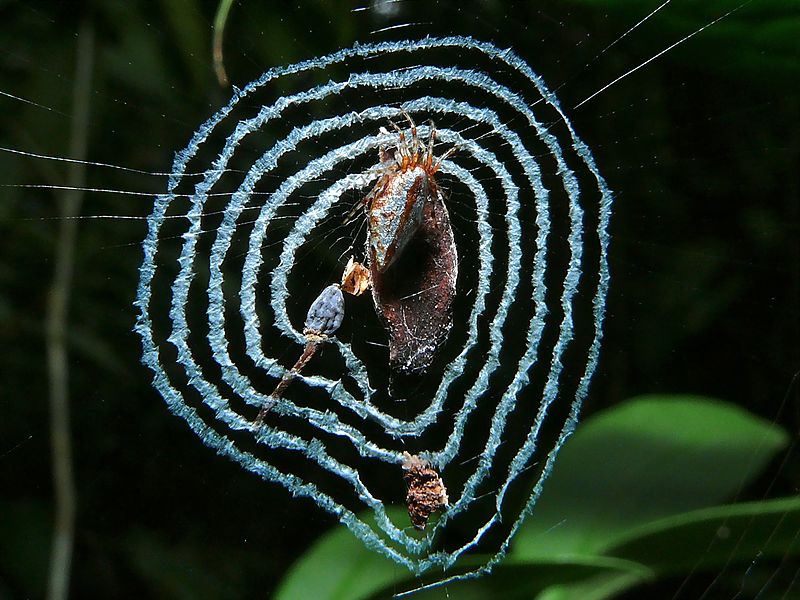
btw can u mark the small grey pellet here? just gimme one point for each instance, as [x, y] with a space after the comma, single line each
[326, 312]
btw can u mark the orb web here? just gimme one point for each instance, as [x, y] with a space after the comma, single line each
[222, 285]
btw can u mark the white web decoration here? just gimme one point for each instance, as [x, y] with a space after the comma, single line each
[214, 375]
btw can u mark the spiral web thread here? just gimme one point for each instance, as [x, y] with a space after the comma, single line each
[417, 554]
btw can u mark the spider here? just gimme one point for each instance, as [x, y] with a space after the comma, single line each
[396, 204]
[411, 251]
[413, 263]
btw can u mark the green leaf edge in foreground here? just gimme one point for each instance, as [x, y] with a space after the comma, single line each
[647, 458]
[339, 567]
[700, 540]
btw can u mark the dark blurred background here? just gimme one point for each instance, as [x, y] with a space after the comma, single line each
[701, 147]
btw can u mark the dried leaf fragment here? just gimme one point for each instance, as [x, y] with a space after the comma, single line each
[356, 279]
[426, 491]
[323, 319]
[414, 297]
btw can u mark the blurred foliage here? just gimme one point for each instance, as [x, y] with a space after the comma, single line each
[701, 148]
[627, 502]
[759, 37]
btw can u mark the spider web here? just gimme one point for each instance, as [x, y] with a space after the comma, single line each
[682, 192]
[524, 194]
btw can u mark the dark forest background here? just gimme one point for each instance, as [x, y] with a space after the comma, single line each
[701, 147]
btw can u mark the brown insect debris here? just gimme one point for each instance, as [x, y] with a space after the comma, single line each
[426, 491]
[355, 280]
[323, 319]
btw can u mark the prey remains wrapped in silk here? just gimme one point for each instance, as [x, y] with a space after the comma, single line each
[412, 254]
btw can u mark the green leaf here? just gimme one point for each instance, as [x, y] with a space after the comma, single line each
[704, 540]
[598, 587]
[733, 534]
[645, 459]
[651, 457]
[513, 579]
[338, 567]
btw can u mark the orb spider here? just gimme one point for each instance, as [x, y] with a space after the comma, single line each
[411, 250]
[412, 259]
